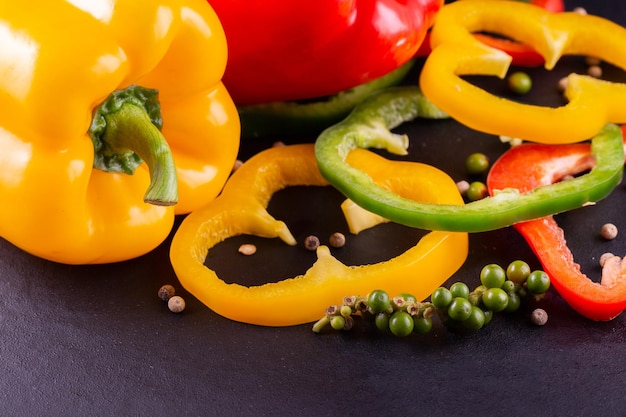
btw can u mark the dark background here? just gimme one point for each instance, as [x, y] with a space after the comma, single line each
[96, 340]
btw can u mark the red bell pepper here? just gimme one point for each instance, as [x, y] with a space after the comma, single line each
[528, 166]
[284, 51]
[522, 55]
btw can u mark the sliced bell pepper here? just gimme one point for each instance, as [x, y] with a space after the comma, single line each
[285, 51]
[521, 54]
[528, 166]
[369, 126]
[591, 102]
[241, 209]
[74, 124]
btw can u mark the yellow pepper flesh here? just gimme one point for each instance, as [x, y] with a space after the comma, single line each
[592, 103]
[241, 209]
[55, 204]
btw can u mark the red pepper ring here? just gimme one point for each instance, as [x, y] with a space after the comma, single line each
[545, 164]
[592, 102]
[521, 55]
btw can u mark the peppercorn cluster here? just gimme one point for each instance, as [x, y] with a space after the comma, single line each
[500, 291]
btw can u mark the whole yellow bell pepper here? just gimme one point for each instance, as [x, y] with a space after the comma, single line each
[592, 103]
[241, 209]
[101, 102]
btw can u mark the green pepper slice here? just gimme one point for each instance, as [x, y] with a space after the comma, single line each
[369, 126]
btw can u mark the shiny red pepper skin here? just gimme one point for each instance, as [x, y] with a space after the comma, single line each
[522, 55]
[282, 51]
[529, 166]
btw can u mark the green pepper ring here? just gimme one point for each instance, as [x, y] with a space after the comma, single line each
[368, 126]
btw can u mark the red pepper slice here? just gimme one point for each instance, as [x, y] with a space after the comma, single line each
[521, 54]
[528, 166]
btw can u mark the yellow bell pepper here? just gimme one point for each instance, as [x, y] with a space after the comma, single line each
[241, 209]
[592, 103]
[84, 89]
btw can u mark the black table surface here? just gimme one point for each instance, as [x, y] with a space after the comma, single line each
[96, 340]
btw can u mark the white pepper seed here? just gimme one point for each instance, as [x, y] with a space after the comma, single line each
[605, 257]
[608, 231]
[176, 304]
[462, 186]
[311, 242]
[595, 71]
[247, 249]
[166, 292]
[337, 240]
[278, 144]
[580, 10]
[539, 317]
[563, 84]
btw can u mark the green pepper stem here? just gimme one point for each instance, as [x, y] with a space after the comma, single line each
[130, 129]
[320, 324]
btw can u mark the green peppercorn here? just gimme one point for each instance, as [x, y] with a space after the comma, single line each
[509, 286]
[513, 304]
[519, 82]
[460, 309]
[337, 322]
[476, 319]
[422, 325]
[378, 301]
[345, 310]
[538, 282]
[459, 289]
[492, 276]
[401, 323]
[441, 297]
[518, 271]
[495, 299]
[476, 191]
[475, 298]
[407, 297]
[488, 316]
[476, 163]
[381, 320]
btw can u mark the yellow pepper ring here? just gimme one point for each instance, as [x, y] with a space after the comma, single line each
[592, 103]
[241, 209]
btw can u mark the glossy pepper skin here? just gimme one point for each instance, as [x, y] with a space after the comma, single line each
[55, 204]
[592, 103]
[283, 51]
[241, 209]
[529, 166]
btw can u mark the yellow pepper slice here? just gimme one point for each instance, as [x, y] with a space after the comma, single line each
[592, 103]
[241, 209]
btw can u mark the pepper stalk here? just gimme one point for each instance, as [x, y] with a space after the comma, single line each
[126, 131]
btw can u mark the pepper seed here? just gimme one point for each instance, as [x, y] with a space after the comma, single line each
[311, 242]
[176, 304]
[608, 231]
[539, 317]
[337, 240]
[166, 292]
[247, 249]
[595, 71]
